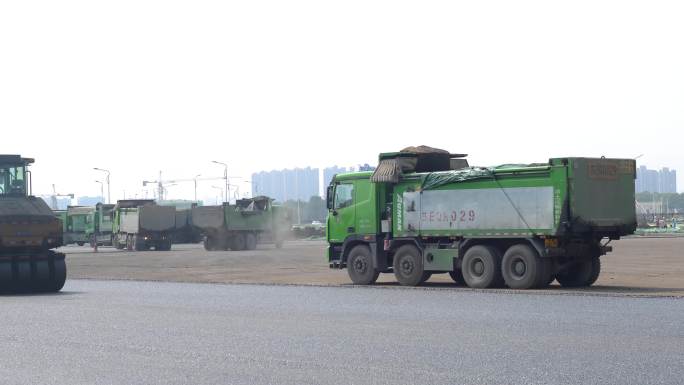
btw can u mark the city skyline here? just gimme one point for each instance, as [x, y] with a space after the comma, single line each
[656, 181]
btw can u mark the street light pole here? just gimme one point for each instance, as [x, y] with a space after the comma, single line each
[196, 176]
[225, 176]
[109, 191]
[101, 188]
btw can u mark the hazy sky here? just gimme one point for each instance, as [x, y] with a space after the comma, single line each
[143, 86]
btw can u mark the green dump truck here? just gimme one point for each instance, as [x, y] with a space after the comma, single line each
[243, 225]
[140, 224]
[424, 211]
[88, 224]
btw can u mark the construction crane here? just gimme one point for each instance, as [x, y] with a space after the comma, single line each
[54, 196]
[163, 184]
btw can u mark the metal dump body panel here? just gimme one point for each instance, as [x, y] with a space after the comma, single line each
[129, 220]
[602, 192]
[157, 218]
[508, 209]
[207, 217]
[182, 218]
[248, 220]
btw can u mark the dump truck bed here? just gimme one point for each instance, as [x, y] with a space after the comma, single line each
[148, 218]
[568, 195]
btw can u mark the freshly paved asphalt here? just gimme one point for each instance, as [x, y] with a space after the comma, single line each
[127, 332]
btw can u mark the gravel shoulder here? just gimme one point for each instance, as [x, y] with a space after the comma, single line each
[639, 266]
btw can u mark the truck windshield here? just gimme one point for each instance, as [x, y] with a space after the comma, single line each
[12, 180]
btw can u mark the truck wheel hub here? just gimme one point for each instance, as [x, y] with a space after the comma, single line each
[478, 268]
[407, 266]
[359, 265]
[519, 268]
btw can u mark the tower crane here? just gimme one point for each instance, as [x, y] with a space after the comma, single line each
[162, 184]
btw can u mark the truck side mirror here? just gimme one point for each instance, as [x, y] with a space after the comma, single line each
[329, 197]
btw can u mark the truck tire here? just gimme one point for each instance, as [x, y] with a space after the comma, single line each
[360, 266]
[481, 267]
[209, 243]
[238, 242]
[457, 276]
[582, 273]
[523, 268]
[138, 244]
[164, 245]
[408, 266]
[250, 241]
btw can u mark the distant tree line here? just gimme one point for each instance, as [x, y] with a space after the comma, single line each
[671, 200]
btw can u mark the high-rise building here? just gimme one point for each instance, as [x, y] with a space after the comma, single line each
[329, 172]
[284, 185]
[654, 181]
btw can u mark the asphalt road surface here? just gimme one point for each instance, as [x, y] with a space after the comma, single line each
[128, 332]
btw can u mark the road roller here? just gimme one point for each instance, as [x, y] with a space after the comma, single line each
[29, 232]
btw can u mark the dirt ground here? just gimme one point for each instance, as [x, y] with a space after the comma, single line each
[638, 266]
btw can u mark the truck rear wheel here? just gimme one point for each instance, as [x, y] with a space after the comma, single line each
[138, 244]
[408, 266]
[580, 274]
[481, 267]
[360, 266]
[250, 241]
[523, 268]
[209, 243]
[457, 276]
[238, 242]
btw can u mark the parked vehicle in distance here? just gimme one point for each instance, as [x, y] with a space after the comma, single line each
[424, 211]
[88, 224]
[141, 224]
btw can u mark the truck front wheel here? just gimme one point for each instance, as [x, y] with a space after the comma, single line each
[408, 266]
[360, 266]
[481, 267]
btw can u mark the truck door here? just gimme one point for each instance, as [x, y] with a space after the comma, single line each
[341, 217]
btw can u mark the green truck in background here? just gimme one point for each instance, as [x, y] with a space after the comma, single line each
[424, 211]
[140, 224]
[243, 225]
[88, 224]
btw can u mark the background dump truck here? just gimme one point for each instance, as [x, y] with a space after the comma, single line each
[241, 226]
[142, 224]
[88, 224]
[424, 211]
